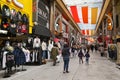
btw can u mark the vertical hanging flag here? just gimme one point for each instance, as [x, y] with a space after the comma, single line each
[74, 13]
[92, 32]
[87, 32]
[94, 13]
[83, 32]
[85, 14]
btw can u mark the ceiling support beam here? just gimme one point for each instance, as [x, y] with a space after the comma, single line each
[67, 14]
[102, 14]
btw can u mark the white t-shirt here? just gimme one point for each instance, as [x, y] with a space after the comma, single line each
[44, 46]
[36, 42]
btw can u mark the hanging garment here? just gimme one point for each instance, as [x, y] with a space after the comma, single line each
[24, 28]
[36, 42]
[19, 56]
[5, 11]
[24, 19]
[12, 28]
[19, 27]
[19, 16]
[10, 60]
[33, 56]
[27, 54]
[4, 59]
[29, 43]
[13, 15]
[4, 24]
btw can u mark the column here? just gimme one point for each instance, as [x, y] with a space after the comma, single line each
[52, 15]
[114, 18]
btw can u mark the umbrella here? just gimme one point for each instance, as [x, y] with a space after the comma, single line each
[56, 39]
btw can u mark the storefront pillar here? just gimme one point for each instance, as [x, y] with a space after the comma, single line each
[103, 31]
[52, 17]
[118, 53]
[114, 18]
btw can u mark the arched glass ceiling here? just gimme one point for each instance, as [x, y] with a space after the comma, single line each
[85, 13]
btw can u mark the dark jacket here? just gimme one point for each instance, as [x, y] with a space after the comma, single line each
[87, 55]
[66, 53]
[54, 52]
[80, 54]
[19, 56]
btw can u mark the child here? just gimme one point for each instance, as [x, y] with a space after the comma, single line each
[87, 55]
[80, 55]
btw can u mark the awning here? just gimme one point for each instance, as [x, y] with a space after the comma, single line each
[42, 31]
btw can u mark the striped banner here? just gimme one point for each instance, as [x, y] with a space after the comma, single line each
[94, 13]
[75, 13]
[86, 18]
[85, 14]
[88, 32]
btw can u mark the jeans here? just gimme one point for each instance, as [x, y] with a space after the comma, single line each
[44, 55]
[66, 63]
[87, 60]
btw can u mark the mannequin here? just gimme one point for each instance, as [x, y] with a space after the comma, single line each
[44, 48]
[9, 47]
[36, 46]
[50, 46]
[29, 43]
[36, 43]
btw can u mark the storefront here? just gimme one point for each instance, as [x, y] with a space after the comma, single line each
[15, 25]
[41, 18]
[15, 17]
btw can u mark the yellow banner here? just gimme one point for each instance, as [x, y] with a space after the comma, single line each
[94, 13]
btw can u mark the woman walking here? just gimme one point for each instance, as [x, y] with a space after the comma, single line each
[54, 53]
[66, 57]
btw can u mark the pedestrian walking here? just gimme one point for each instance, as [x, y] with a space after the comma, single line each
[66, 57]
[54, 53]
[80, 55]
[101, 48]
[87, 56]
[73, 50]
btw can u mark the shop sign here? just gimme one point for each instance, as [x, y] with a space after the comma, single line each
[17, 3]
[43, 14]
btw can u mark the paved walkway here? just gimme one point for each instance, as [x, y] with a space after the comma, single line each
[100, 68]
